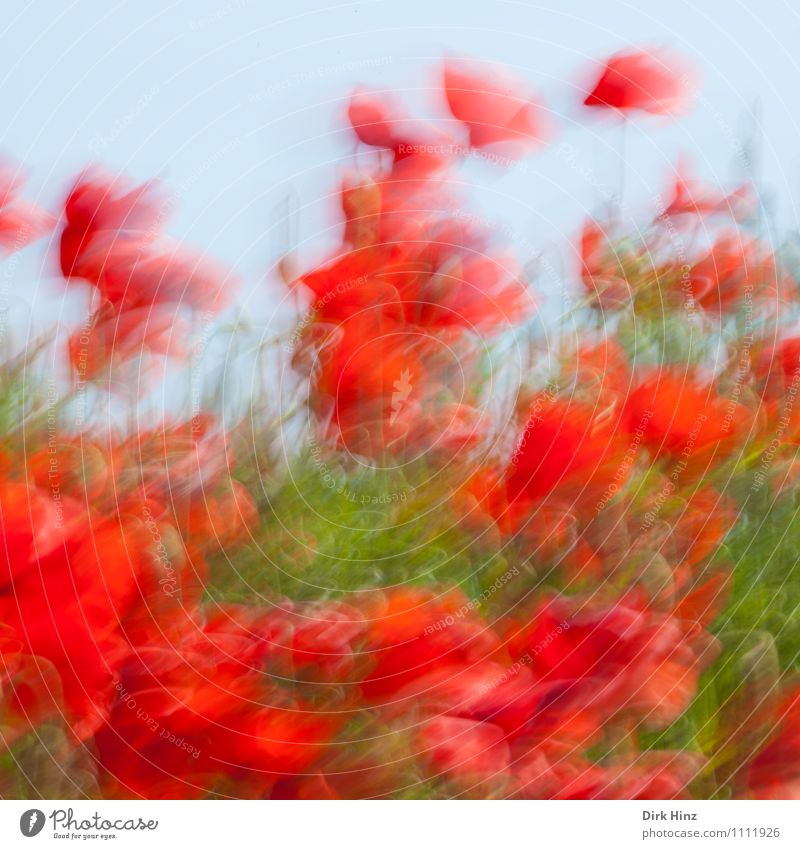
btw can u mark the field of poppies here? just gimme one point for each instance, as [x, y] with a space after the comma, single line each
[432, 540]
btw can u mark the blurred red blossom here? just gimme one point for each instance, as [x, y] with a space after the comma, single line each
[21, 222]
[775, 772]
[495, 107]
[568, 449]
[653, 81]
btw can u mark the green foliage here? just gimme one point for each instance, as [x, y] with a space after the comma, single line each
[326, 531]
[763, 548]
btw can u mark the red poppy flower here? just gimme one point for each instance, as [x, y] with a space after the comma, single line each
[416, 264]
[102, 209]
[321, 638]
[688, 197]
[376, 119]
[681, 416]
[414, 633]
[31, 525]
[599, 371]
[789, 358]
[191, 718]
[365, 378]
[20, 222]
[495, 107]
[162, 274]
[72, 607]
[503, 694]
[568, 450]
[551, 772]
[775, 772]
[703, 599]
[473, 291]
[378, 383]
[720, 280]
[776, 368]
[112, 239]
[605, 661]
[117, 337]
[554, 771]
[30, 692]
[465, 750]
[652, 81]
[654, 775]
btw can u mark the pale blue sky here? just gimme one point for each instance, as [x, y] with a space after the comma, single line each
[236, 104]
